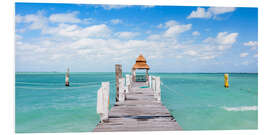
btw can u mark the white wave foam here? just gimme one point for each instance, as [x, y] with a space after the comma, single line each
[241, 108]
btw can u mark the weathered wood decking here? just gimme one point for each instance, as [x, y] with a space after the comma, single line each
[139, 112]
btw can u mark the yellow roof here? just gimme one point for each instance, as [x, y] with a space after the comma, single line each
[140, 63]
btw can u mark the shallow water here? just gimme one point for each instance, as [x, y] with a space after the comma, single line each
[197, 101]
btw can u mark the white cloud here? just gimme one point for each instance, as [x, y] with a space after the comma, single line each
[210, 12]
[226, 38]
[87, 20]
[18, 18]
[126, 35]
[36, 21]
[174, 29]
[171, 23]
[85, 48]
[74, 31]
[191, 53]
[148, 6]
[243, 55]
[223, 40]
[100, 30]
[220, 10]
[109, 7]
[199, 13]
[154, 37]
[251, 43]
[64, 42]
[160, 26]
[116, 21]
[196, 33]
[65, 17]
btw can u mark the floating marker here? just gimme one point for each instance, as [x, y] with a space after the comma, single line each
[226, 80]
[67, 77]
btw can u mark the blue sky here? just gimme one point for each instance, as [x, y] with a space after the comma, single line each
[93, 38]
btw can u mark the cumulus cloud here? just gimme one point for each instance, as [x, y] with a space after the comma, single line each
[65, 17]
[160, 26]
[36, 21]
[210, 12]
[148, 6]
[211, 47]
[18, 18]
[116, 21]
[223, 40]
[221, 10]
[110, 7]
[252, 44]
[243, 54]
[199, 13]
[196, 33]
[75, 31]
[66, 42]
[174, 28]
[191, 53]
[126, 35]
[154, 37]
[171, 23]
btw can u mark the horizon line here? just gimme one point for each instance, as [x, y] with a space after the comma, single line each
[123, 72]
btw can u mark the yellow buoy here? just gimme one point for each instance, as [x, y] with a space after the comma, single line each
[226, 80]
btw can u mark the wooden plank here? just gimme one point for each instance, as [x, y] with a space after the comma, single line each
[139, 112]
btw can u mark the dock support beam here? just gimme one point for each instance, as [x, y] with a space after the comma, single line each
[118, 75]
[103, 102]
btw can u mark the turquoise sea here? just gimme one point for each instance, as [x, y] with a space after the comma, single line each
[198, 101]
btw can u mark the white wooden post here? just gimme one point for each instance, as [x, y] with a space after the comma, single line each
[154, 85]
[133, 74]
[103, 102]
[150, 81]
[121, 89]
[158, 90]
[127, 83]
[131, 82]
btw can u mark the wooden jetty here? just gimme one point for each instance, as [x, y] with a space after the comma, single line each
[138, 105]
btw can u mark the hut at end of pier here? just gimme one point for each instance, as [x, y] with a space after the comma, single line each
[140, 65]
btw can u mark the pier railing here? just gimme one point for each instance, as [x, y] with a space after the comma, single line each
[125, 85]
